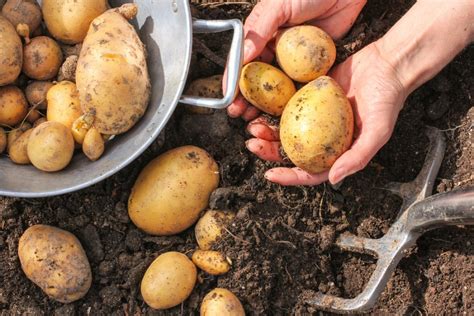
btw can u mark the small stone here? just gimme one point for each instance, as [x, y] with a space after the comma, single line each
[92, 243]
[437, 109]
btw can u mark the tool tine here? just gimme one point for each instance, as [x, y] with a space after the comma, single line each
[351, 242]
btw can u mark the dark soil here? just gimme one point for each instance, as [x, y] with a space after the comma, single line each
[282, 241]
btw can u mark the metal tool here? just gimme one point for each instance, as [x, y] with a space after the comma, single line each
[419, 213]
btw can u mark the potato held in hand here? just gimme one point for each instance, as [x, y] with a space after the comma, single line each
[11, 52]
[221, 302]
[317, 125]
[55, 261]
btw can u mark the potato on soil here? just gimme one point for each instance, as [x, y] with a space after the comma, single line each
[221, 302]
[63, 103]
[210, 87]
[211, 226]
[93, 145]
[212, 262]
[172, 190]
[168, 281]
[51, 146]
[54, 260]
[112, 76]
[23, 12]
[36, 93]
[266, 87]
[3, 140]
[13, 106]
[11, 52]
[18, 150]
[42, 58]
[317, 125]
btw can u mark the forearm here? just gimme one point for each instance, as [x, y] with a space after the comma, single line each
[427, 38]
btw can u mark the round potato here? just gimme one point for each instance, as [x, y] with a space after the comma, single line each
[42, 58]
[23, 12]
[266, 87]
[305, 52]
[317, 125]
[210, 87]
[212, 262]
[168, 281]
[3, 140]
[210, 227]
[63, 103]
[13, 106]
[11, 52]
[172, 190]
[93, 145]
[221, 302]
[54, 260]
[36, 93]
[51, 146]
[18, 150]
[81, 126]
[14, 134]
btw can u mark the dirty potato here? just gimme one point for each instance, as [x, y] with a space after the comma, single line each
[221, 302]
[42, 58]
[81, 126]
[23, 12]
[36, 93]
[3, 140]
[13, 106]
[211, 226]
[212, 262]
[93, 145]
[63, 103]
[18, 150]
[210, 87]
[11, 52]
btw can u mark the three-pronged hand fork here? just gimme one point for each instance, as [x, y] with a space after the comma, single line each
[419, 213]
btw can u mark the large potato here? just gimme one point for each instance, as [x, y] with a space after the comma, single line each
[172, 190]
[212, 262]
[210, 87]
[168, 281]
[51, 146]
[42, 58]
[266, 87]
[13, 106]
[63, 103]
[18, 150]
[210, 227]
[220, 302]
[36, 93]
[55, 261]
[112, 75]
[305, 52]
[68, 21]
[23, 12]
[11, 52]
[317, 125]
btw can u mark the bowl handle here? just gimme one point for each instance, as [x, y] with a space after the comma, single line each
[234, 64]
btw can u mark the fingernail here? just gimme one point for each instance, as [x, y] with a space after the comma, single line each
[339, 175]
[247, 48]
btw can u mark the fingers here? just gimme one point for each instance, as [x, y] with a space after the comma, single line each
[260, 128]
[250, 113]
[264, 149]
[238, 107]
[295, 176]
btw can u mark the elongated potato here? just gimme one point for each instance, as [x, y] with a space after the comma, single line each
[212, 262]
[42, 58]
[112, 75]
[11, 52]
[23, 12]
[210, 227]
[93, 145]
[317, 125]
[63, 103]
[221, 302]
[3, 140]
[36, 93]
[81, 126]
[13, 106]
[18, 151]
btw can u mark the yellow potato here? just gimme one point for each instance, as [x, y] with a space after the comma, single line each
[11, 52]
[68, 21]
[220, 302]
[14, 134]
[39, 121]
[212, 262]
[210, 227]
[42, 58]
[63, 103]
[54, 260]
[13, 106]
[168, 281]
[3, 140]
[81, 126]
[172, 190]
[317, 125]
[23, 11]
[51, 146]
[18, 150]
[305, 52]
[36, 93]
[266, 87]
[93, 145]
[112, 76]
[210, 87]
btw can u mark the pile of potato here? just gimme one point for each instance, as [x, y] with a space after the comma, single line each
[72, 82]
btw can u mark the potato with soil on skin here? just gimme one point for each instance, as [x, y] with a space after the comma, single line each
[23, 12]
[51, 146]
[93, 145]
[68, 21]
[42, 58]
[68, 69]
[266, 87]
[317, 125]
[210, 87]
[212, 262]
[36, 93]
[13, 106]
[18, 150]
[63, 103]
[112, 76]
[11, 53]
[168, 281]
[221, 302]
[172, 190]
[3, 140]
[211, 226]
[305, 52]
[54, 260]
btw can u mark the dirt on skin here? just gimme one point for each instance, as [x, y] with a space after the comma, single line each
[282, 240]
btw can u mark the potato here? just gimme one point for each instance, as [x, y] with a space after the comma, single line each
[23, 12]
[68, 21]
[317, 125]
[3, 140]
[42, 58]
[13, 106]
[18, 150]
[221, 302]
[210, 227]
[210, 87]
[172, 190]
[11, 52]
[266, 87]
[168, 281]
[14, 134]
[54, 260]
[33, 115]
[305, 52]
[51, 146]
[39, 121]
[81, 126]
[68, 69]
[36, 93]
[112, 75]
[212, 262]
[63, 103]
[93, 145]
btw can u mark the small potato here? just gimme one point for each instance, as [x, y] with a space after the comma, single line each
[210, 87]
[212, 262]
[266, 87]
[23, 11]
[220, 302]
[68, 69]
[13, 106]
[63, 103]
[172, 190]
[36, 93]
[168, 281]
[317, 125]
[18, 151]
[42, 58]
[33, 115]
[14, 134]
[81, 126]
[51, 146]
[11, 53]
[3, 140]
[39, 121]
[54, 260]
[210, 227]
[93, 145]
